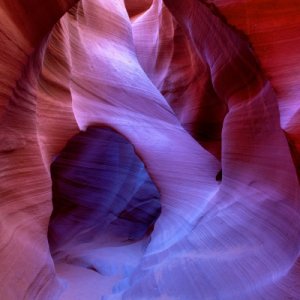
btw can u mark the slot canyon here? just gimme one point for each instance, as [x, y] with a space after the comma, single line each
[150, 149]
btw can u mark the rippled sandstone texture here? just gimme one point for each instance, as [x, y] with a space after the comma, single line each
[195, 87]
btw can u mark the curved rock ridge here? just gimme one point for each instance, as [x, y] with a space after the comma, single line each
[192, 102]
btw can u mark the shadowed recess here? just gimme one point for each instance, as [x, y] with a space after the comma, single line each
[101, 193]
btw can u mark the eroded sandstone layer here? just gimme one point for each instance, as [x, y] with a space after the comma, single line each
[149, 149]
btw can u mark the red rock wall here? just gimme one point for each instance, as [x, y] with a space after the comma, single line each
[207, 94]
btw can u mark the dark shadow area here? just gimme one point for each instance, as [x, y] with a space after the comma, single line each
[100, 188]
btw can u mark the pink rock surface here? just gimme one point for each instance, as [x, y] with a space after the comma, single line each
[206, 92]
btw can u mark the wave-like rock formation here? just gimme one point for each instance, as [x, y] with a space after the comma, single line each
[149, 149]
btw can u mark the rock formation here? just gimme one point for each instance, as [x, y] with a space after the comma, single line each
[149, 149]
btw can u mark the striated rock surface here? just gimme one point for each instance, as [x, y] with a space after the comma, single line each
[149, 149]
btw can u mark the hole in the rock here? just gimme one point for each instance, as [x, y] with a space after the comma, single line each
[102, 193]
[219, 176]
